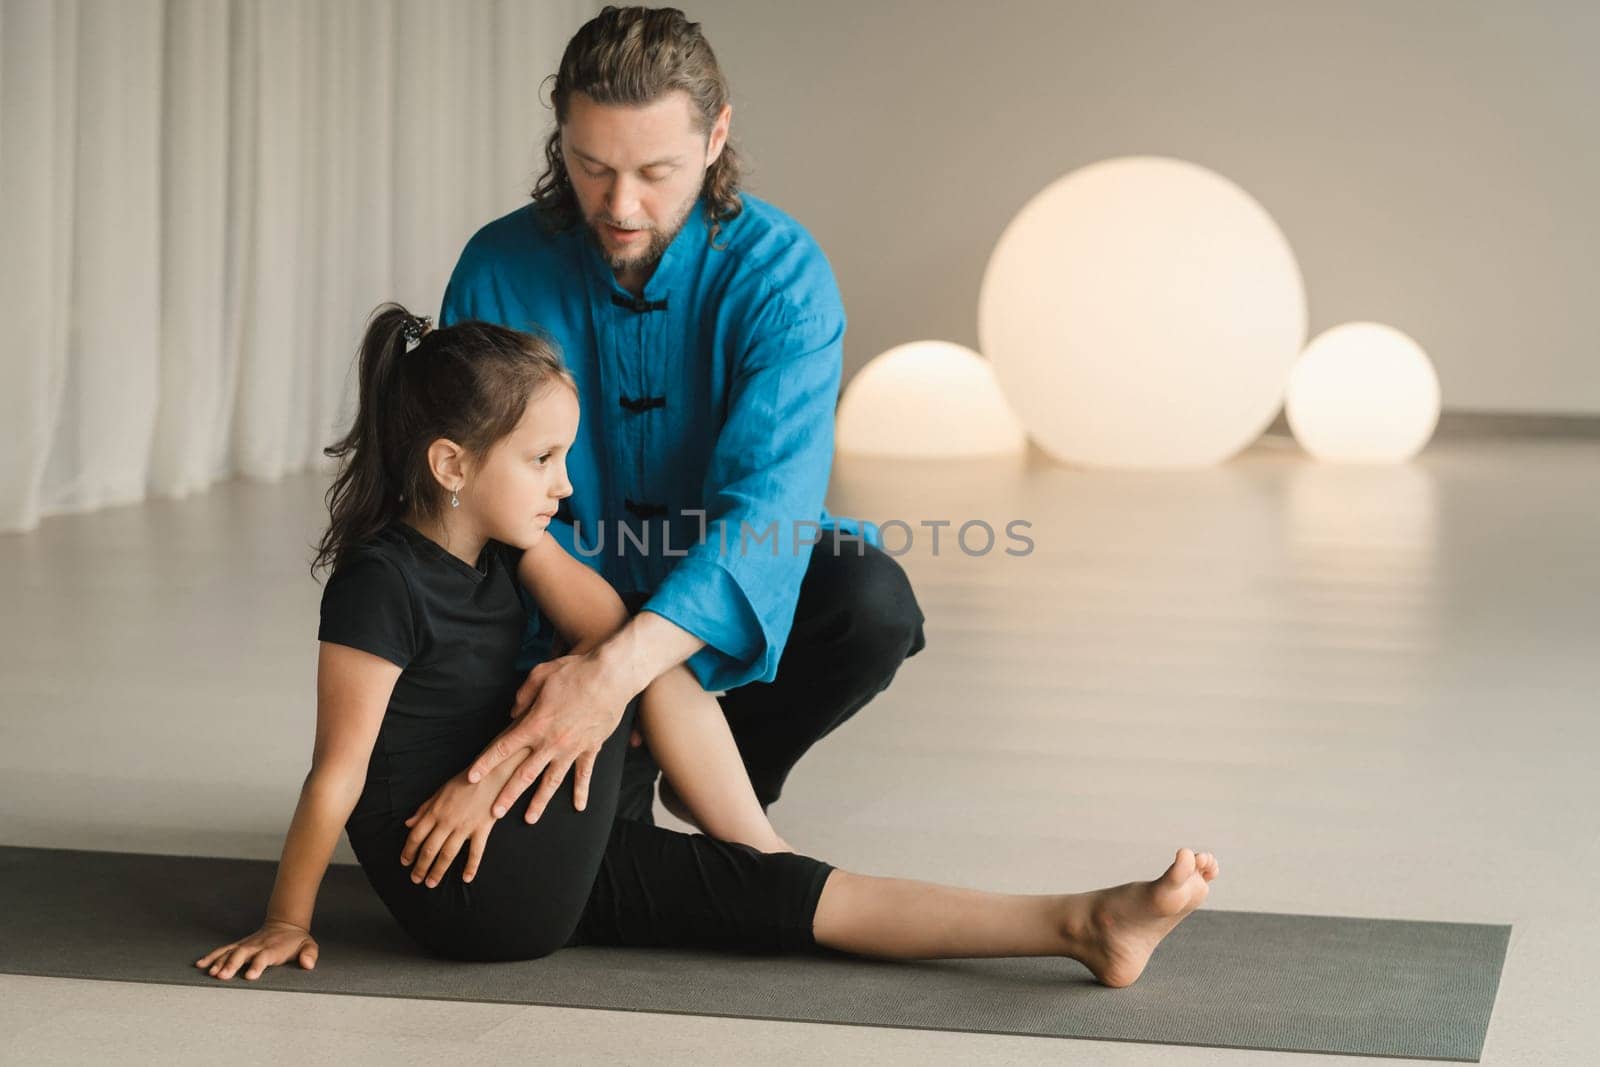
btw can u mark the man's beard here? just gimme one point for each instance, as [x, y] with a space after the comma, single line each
[654, 248]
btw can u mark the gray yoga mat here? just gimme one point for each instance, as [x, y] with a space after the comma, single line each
[1253, 980]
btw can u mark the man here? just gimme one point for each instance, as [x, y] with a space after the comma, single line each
[704, 329]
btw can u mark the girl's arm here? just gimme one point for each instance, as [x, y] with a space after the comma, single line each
[581, 604]
[353, 689]
[682, 723]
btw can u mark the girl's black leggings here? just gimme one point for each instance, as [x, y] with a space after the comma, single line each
[586, 877]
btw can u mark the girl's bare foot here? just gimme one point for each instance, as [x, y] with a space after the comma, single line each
[1113, 931]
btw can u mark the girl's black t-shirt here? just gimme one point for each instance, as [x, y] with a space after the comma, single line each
[456, 630]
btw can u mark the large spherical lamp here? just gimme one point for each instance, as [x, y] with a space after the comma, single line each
[1363, 392]
[1142, 312]
[926, 400]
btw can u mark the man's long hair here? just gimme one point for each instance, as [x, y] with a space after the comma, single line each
[631, 56]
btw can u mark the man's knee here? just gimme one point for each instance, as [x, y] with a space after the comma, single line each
[884, 619]
[889, 620]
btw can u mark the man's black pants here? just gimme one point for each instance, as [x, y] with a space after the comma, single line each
[855, 622]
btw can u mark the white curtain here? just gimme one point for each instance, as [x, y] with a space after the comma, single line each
[200, 202]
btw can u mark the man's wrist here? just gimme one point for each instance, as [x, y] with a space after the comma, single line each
[619, 667]
[648, 646]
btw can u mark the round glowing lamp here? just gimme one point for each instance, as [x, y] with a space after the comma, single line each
[927, 400]
[1363, 392]
[1142, 312]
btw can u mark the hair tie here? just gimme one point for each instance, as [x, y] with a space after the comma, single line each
[413, 329]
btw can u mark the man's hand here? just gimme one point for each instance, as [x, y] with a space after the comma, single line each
[564, 712]
[528, 692]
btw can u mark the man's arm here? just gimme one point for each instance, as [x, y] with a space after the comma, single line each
[646, 647]
[727, 613]
[736, 589]
[585, 693]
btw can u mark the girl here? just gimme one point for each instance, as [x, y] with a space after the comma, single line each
[451, 475]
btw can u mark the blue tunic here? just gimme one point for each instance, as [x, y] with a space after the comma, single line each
[707, 404]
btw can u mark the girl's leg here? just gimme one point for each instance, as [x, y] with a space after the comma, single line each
[659, 887]
[703, 778]
[1111, 931]
[534, 882]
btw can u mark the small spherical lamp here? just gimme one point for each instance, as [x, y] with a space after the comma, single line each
[927, 400]
[1142, 312]
[1363, 392]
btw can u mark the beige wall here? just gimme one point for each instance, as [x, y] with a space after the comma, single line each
[1433, 162]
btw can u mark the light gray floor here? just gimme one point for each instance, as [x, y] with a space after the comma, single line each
[1371, 691]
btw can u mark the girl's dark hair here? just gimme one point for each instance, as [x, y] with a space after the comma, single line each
[468, 382]
[631, 56]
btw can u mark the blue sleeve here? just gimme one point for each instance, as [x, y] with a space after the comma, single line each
[736, 589]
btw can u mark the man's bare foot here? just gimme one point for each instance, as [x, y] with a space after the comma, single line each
[1113, 931]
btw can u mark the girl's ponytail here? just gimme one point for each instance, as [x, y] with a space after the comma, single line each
[365, 496]
[468, 383]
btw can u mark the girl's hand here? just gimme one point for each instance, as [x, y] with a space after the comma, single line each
[276, 942]
[458, 814]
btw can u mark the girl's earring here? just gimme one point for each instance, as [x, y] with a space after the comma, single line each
[455, 503]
